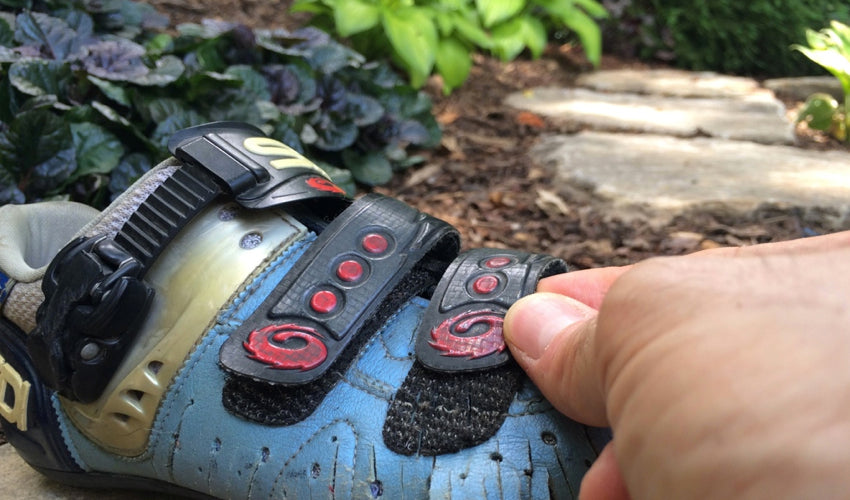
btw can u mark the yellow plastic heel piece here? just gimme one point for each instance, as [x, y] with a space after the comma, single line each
[14, 408]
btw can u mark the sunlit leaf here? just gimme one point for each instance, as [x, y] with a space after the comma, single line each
[413, 37]
[588, 32]
[355, 16]
[471, 31]
[509, 39]
[535, 35]
[453, 62]
[592, 7]
[833, 62]
[496, 11]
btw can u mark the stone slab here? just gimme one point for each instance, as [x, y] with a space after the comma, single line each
[800, 88]
[19, 481]
[756, 117]
[665, 173]
[669, 82]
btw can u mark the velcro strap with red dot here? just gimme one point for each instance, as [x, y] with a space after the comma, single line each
[341, 282]
[462, 327]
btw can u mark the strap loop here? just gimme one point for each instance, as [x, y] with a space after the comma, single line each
[257, 170]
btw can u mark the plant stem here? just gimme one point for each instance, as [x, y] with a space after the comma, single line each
[846, 116]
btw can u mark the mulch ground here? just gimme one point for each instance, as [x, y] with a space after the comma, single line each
[482, 181]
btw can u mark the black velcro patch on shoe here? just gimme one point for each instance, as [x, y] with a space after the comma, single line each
[435, 413]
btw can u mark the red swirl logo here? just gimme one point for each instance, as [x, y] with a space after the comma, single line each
[324, 185]
[476, 346]
[266, 345]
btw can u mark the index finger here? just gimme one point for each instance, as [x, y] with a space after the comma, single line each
[590, 286]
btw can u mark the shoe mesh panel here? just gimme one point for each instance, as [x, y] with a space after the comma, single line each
[23, 303]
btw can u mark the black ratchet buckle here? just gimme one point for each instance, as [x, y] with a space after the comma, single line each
[95, 303]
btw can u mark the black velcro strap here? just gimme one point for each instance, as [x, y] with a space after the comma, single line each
[462, 328]
[273, 404]
[306, 323]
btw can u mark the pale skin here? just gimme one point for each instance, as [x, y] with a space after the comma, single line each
[723, 374]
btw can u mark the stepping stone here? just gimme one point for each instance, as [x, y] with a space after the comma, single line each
[758, 117]
[800, 88]
[20, 482]
[669, 82]
[670, 174]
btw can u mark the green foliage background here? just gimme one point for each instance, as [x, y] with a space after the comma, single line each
[830, 48]
[90, 92]
[727, 36]
[425, 36]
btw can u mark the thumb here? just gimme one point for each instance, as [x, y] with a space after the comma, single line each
[552, 338]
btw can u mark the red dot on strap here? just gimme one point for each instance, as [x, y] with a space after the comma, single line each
[349, 270]
[497, 262]
[323, 301]
[375, 243]
[485, 284]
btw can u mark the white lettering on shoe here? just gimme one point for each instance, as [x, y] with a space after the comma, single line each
[266, 146]
[13, 406]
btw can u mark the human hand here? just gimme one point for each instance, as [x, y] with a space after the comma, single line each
[723, 374]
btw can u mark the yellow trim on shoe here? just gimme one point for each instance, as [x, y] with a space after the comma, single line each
[16, 412]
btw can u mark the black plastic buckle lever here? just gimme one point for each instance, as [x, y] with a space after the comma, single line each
[258, 171]
[96, 303]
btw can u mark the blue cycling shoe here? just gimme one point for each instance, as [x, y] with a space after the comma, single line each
[233, 326]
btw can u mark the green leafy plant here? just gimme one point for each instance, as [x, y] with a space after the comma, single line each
[830, 48]
[440, 35]
[89, 97]
[727, 36]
